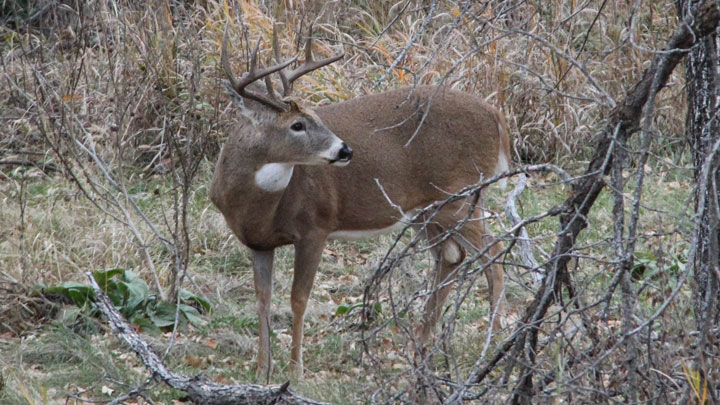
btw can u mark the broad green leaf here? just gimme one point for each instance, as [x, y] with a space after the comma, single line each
[78, 297]
[163, 314]
[146, 325]
[342, 310]
[121, 292]
[192, 314]
[115, 293]
[137, 294]
[79, 294]
[103, 276]
[128, 275]
[187, 296]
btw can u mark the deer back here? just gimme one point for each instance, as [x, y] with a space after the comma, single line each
[461, 140]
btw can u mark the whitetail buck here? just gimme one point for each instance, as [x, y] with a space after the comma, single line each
[276, 181]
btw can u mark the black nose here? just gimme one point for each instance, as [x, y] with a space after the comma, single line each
[345, 153]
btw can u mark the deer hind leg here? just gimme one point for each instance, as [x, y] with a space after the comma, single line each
[262, 277]
[308, 253]
[496, 282]
[474, 239]
[470, 239]
[447, 257]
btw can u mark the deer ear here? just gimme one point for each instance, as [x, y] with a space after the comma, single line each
[294, 106]
[239, 102]
[234, 96]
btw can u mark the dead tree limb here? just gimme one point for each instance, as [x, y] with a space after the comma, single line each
[199, 389]
[45, 167]
[523, 240]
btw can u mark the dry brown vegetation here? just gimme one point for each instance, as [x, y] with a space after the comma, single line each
[112, 116]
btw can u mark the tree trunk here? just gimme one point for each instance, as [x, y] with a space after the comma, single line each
[702, 70]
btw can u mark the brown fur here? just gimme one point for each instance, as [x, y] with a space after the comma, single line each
[457, 144]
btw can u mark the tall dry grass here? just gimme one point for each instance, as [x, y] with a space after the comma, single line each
[141, 61]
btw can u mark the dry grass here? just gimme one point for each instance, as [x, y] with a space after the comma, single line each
[128, 78]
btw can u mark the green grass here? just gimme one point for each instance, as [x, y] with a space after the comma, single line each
[59, 362]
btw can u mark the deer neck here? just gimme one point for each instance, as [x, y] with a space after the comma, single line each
[249, 191]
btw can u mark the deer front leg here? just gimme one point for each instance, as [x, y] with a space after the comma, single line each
[308, 253]
[262, 276]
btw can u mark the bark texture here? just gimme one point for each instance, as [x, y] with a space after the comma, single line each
[702, 128]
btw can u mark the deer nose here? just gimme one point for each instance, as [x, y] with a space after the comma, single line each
[345, 153]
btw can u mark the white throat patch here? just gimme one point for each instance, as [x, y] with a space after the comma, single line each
[274, 176]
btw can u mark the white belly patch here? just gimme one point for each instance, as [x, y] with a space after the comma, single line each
[366, 233]
[371, 233]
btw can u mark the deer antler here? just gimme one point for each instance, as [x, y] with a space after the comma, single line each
[307, 67]
[252, 75]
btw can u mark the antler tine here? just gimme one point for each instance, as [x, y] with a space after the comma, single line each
[308, 43]
[255, 74]
[276, 51]
[225, 62]
[307, 67]
[269, 87]
[253, 56]
[252, 75]
[314, 65]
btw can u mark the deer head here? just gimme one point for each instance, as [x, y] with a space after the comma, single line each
[280, 130]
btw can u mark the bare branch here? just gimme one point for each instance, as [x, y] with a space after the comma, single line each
[198, 389]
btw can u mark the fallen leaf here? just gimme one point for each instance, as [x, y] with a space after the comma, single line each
[193, 361]
[72, 97]
[211, 343]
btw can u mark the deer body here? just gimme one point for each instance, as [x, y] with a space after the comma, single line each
[331, 200]
[458, 142]
[276, 185]
[461, 140]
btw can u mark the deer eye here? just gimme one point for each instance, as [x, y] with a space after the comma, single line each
[298, 126]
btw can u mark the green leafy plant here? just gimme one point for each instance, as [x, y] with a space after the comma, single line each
[132, 297]
[647, 265]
